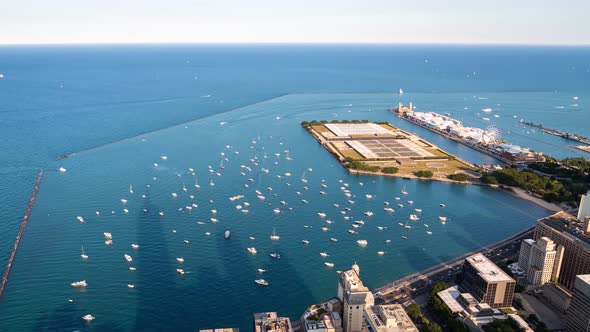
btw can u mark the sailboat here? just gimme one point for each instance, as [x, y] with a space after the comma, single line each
[404, 192]
[303, 179]
[83, 255]
[274, 235]
[130, 189]
[221, 165]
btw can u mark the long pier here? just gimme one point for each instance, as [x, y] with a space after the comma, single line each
[566, 135]
[20, 233]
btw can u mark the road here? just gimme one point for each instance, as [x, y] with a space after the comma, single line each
[415, 287]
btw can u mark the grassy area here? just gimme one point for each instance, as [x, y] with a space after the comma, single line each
[351, 153]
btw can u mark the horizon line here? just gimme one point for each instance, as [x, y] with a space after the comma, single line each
[265, 43]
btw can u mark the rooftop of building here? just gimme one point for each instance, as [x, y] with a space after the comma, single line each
[226, 329]
[487, 269]
[568, 225]
[352, 281]
[269, 321]
[388, 316]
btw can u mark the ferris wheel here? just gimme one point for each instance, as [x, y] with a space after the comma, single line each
[492, 135]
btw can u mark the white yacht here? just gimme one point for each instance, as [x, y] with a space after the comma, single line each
[130, 285]
[418, 210]
[321, 215]
[123, 200]
[180, 271]
[414, 217]
[62, 170]
[88, 317]
[261, 282]
[305, 241]
[404, 192]
[128, 258]
[328, 264]
[361, 242]
[227, 234]
[180, 260]
[324, 254]
[130, 189]
[368, 214]
[174, 195]
[79, 284]
[164, 157]
[261, 270]
[333, 239]
[276, 210]
[442, 219]
[252, 250]
[275, 255]
[80, 219]
[108, 236]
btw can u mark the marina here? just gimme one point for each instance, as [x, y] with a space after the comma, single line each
[183, 254]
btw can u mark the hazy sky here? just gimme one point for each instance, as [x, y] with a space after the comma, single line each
[293, 21]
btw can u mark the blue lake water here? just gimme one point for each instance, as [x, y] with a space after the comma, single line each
[61, 100]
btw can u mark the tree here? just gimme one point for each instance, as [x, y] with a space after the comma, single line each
[413, 310]
[489, 179]
[458, 177]
[423, 174]
[390, 170]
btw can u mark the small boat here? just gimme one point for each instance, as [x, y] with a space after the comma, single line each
[131, 268]
[418, 210]
[227, 234]
[368, 196]
[333, 239]
[261, 282]
[134, 245]
[88, 318]
[323, 254]
[128, 258]
[62, 170]
[185, 241]
[442, 219]
[180, 260]
[80, 219]
[368, 214]
[164, 157]
[388, 209]
[83, 255]
[414, 217]
[123, 200]
[130, 285]
[380, 253]
[441, 205]
[252, 250]
[426, 225]
[305, 241]
[108, 236]
[321, 214]
[174, 195]
[180, 271]
[276, 210]
[161, 213]
[328, 264]
[274, 235]
[251, 238]
[404, 192]
[79, 284]
[361, 242]
[387, 241]
[130, 189]
[404, 237]
[261, 270]
[275, 255]
[429, 232]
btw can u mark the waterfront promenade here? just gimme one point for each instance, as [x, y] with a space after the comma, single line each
[439, 271]
[20, 233]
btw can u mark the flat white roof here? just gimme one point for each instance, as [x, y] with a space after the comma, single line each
[449, 297]
[487, 269]
[347, 129]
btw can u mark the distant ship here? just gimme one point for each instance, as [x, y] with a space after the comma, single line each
[401, 92]
[227, 234]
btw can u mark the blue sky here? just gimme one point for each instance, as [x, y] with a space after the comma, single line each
[295, 21]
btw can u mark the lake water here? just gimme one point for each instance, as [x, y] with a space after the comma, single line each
[62, 100]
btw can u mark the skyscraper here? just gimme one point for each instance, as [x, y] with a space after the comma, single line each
[578, 314]
[486, 282]
[354, 296]
[538, 259]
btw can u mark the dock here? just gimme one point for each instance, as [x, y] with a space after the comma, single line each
[563, 134]
[20, 233]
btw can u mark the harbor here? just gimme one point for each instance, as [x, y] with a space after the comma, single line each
[486, 141]
[563, 134]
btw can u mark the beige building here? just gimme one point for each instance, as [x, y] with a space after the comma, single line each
[486, 282]
[389, 318]
[578, 314]
[584, 208]
[574, 236]
[270, 322]
[538, 259]
[354, 297]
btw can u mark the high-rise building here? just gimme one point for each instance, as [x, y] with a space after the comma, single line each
[578, 314]
[584, 208]
[568, 232]
[487, 282]
[389, 318]
[270, 322]
[525, 253]
[354, 297]
[538, 259]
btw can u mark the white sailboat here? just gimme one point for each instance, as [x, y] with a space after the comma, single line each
[130, 189]
[274, 235]
[404, 192]
[83, 255]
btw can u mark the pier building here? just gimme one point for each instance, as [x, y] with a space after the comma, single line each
[271, 322]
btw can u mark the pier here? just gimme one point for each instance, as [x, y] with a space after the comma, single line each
[20, 233]
[563, 134]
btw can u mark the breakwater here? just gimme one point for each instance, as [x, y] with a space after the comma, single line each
[20, 233]
[566, 135]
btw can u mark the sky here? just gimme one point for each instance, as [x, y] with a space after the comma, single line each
[563, 22]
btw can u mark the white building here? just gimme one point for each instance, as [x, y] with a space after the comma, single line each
[355, 297]
[584, 209]
[525, 253]
[539, 259]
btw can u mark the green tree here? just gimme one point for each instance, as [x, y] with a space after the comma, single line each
[390, 170]
[489, 179]
[458, 177]
[423, 174]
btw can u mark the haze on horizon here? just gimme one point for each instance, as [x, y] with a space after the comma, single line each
[295, 21]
